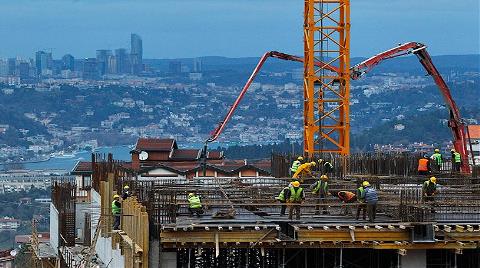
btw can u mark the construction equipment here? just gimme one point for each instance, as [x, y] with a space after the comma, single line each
[455, 122]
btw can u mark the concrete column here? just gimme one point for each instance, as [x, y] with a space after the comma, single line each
[414, 259]
[168, 259]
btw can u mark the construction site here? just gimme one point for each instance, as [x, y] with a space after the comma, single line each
[242, 224]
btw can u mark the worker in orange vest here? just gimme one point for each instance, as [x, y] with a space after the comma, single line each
[423, 166]
[347, 197]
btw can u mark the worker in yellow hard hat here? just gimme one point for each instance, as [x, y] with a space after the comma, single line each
[320, 187]
[295, 197]
[437, 160]
[194, 205]
[126, 192]
[362, 206]
[456, 160]
[304, 170]
[116, 211]
[296, 164]
[429, 189]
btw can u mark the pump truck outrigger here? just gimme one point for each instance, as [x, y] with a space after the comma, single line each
[455, 122]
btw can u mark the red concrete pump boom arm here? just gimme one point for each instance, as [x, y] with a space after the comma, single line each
[455, 122]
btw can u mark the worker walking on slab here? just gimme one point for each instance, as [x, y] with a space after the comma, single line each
[371, 198]
[320, 187]
[304, 171]
[456, 161]
[295, 197]
[361, 200]
[116, 212]
[423, 165]
[126, 192]
[295, 165]
[437, 160]
[194, 205]
[346, 197]
[429, 189]
[282, 198]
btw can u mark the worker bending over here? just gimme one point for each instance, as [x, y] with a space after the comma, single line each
[437, 160]
[295, 165]
[423, 166]
[304, 171]
[361, 200]
[281, 197]
[456, 160]
[295, 197]
[429, 189]
[126, 192]
[327, 167]
[320, 187]
[346, 197]
[371, 198]
[116, 212]
[194, 205]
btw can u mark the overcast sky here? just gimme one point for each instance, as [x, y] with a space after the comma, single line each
[233, 28]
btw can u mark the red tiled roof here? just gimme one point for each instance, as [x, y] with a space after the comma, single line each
[42, 237]
[186, 154]
[149, 144]
[474, 131]
[215, 155]
[82, 167]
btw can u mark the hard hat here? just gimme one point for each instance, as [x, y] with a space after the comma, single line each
[425, 156]
[126, 187]
[116, 196]
[365, 184]
[300, 158]
[313, 163]
[324, 177]
[453, 150]
[295, 183]
[433, 179]
[320, 160]
[437, 150]
[191, 194]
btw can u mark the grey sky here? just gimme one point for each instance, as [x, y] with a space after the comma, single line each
[189, 28]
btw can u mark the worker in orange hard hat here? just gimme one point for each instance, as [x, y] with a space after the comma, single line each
[304, 170]
[295, 197]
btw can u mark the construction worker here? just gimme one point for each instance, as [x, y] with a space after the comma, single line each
[423, 165]
[456, 160]
[295, 197]
[371, 198]
[304, 170]
[361, 200]
[429, 189]
[194, 205]
[320, 187]
[346, 197]
[116, 211]
[126, 192]
[283, 200]
[327, 166]
[296, 164]
[437, 160]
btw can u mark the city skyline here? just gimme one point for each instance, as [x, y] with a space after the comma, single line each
[235, 29]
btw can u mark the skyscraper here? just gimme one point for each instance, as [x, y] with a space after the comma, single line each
[102, 60]
[121, 60]
[90, 70]
[136, 53]
[3, 67]
[12, 64]
[43, 61]
[68, 62]
[112, 64]
[197, 65]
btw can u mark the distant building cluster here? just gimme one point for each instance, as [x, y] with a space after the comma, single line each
[106, 62]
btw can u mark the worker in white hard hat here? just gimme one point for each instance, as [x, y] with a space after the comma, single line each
[126, 192]
[296, 164]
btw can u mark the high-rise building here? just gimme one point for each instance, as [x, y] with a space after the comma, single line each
[136, 53]
[68, 62]
[12, 66]
[175, 67]
[23, 70]
[90, 69]
[197, 65]
[3, 67]
[112, 64]
[121, 61]
[102, 60]
[43, 62]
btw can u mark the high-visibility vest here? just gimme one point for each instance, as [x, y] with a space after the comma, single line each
[303, 168]
[438, 158]
[423, 164]
[295, 166]
[320, 185]
[194, 202]
[281, 196]
[115, 209]
[360, 193]
[458, 158]
[296, 196]
[429, 187]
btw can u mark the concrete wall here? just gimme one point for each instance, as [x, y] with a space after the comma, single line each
[53, 227]
[80, 210]
[168, 259]
[415, 259]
